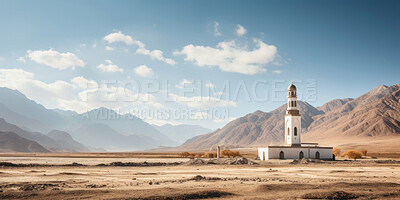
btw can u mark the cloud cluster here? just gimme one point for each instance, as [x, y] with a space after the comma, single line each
[109, 67]
[230, 57]
[216, 29]
[55, 59]
[240, 30]
[144, 71]
[154, 54]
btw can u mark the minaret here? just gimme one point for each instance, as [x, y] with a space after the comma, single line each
[292, 119]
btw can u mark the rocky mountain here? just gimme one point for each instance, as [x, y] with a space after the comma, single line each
[372, 115]
[181, 133]
[65, 138]
[12, 142]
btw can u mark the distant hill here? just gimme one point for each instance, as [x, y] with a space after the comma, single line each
[101, 135]
[64, 138]
[35, 119]
[12, 142]
[373, 115]
[40, 138]
[20, 104]
[181, 133]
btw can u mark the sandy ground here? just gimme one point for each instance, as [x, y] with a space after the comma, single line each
[365, 179]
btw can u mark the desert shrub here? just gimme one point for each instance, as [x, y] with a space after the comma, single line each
[198, 156]
[352, 154]
[229, 153]
[336, 152]
[363, 152]
[185, 154]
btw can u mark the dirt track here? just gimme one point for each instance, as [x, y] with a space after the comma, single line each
[268, 180]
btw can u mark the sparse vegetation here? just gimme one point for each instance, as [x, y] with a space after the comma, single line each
[336, 152]
[352, 154]
[363, 152]
[185, 154]
[229, 153]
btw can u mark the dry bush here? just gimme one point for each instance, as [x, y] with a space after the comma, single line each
[198, 156]
[364, 152]
[185, 154]
[230, 153]
[336, 152]
[352, 154]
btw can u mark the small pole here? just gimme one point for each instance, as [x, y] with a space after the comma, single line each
[218, 152]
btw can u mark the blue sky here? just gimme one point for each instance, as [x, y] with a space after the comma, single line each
[330, 49]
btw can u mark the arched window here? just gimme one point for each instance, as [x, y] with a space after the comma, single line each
[295, 104]
[301, 155]
[281, 155]
[295, 131]
[288, 131]
[292, 104]
[317, 155]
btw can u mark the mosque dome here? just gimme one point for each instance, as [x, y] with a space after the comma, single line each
[292, 87]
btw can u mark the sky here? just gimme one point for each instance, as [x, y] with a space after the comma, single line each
[196, 62]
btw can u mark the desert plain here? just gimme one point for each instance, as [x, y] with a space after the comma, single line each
[167, 176]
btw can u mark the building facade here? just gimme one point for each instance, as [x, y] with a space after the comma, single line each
[293, 148]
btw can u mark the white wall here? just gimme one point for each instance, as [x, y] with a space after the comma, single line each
[294, 153]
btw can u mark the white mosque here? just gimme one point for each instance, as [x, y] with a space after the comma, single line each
[293, 148]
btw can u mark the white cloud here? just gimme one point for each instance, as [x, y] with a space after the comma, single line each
[119, 37]
[144, 71]
[48, 94]
[154, 54]
[184, 83]
[277, 71]
[240, 30]
[56, 59]
[83, 83]
[1, 58]
[230, 57]
[202, 102]
[216, 30]
[109, 67]
[108, 48]
[21, 59]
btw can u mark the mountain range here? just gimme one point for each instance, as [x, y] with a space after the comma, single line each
[96, 129]
[371, 120]
[374, 116]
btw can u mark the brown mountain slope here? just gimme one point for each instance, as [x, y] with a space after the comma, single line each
[370, 117]
[376, 113]
[255, 129]
[11, 142]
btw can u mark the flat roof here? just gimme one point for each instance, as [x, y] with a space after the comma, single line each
[294, 147]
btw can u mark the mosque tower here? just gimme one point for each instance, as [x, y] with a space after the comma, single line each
[292, 119]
